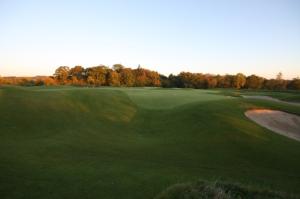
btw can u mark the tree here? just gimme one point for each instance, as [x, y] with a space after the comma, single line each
[165, 81]
[118, 75]
[77, 75]
[153, 78]
[118, 67]
[26, 82]
[199, 80]
[270, 84]
[211, 81]
[294, 84]
[239, 81]
[254, 82]
[280, 83]
[49, 81]
[225, 81]
[97, 75]
[77, 72]
[61, 74]
[186, 79]
[140, 77]
[127, 77]
[276, 84]
[175, 81]
[113, 78]
[193, 80]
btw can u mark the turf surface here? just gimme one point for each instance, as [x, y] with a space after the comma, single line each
[66, 142]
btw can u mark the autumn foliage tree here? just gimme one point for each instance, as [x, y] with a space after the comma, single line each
[97, 75]
[113, 78]
[211, 81]
[61, 74]
[153, 78]
[119, 75]
[239, 81]
[226, 81]
[254, 82]
[49, 81]
[140, 77]
[127, 77]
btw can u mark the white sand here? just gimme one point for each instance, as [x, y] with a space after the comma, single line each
[280, 122]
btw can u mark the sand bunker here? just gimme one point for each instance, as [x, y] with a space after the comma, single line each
[280, 122]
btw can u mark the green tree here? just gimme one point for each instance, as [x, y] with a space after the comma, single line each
[175, 81]
[165, 81]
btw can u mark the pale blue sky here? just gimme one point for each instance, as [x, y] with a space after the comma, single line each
[213, 36]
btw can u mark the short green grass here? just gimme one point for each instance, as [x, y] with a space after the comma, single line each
[67, 142]
[286, 95]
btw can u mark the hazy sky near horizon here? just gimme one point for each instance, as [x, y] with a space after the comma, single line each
[169, 36]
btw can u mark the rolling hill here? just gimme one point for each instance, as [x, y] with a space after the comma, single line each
[69, 142]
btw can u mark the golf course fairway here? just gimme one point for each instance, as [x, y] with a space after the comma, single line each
[132, 143]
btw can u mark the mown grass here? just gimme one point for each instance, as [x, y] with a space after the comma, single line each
[286, 95]
[66, 142]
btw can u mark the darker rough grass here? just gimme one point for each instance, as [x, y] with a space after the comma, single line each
[219, 190]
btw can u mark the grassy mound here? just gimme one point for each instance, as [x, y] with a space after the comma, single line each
[218, 190]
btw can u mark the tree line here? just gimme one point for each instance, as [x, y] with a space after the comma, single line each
[102, 75]
[238, 81]
[119, 75]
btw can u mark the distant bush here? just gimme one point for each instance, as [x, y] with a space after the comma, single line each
[218, 190]
[294, 84]
[26, 82]
[48, 81]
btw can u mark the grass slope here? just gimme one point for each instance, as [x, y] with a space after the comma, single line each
[286, 95]
[65, 142]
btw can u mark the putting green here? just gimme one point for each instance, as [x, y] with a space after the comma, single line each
[169, 98]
